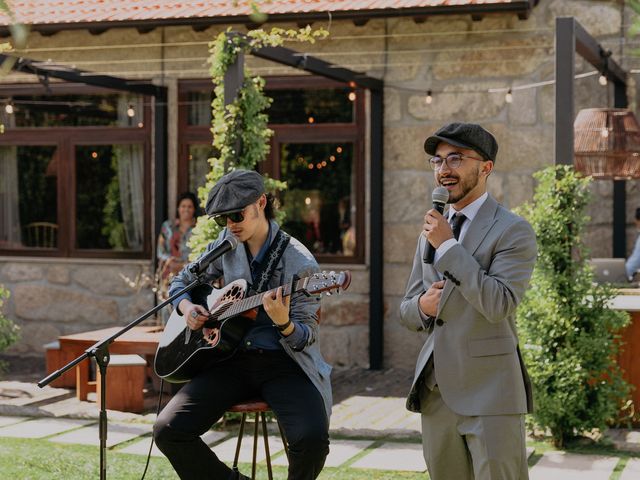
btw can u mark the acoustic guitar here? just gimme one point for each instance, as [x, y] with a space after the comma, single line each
[183, 352]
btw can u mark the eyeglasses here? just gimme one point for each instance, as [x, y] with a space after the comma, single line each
[453, 160]
[235, 217]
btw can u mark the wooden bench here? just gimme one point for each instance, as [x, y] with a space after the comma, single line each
[55, 359]
[126, 375]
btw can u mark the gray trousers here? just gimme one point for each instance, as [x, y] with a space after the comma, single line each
[471, 448]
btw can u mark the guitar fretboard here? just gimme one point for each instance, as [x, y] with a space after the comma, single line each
[249, 303]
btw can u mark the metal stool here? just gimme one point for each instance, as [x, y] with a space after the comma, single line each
[260, 408]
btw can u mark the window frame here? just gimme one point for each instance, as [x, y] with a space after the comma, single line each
[65, 140]
[353, 132]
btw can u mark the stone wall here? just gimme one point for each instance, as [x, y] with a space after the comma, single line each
[52, 297]
[459, 59]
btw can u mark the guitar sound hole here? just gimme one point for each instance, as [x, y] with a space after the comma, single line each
[211, 336]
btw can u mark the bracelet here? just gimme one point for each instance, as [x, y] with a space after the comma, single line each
[283, 327]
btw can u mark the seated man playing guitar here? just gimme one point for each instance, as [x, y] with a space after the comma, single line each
[278, 358]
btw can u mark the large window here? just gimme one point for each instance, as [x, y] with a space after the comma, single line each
[74, 176]
[317, 149]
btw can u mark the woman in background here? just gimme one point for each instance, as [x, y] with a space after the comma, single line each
[172, 250]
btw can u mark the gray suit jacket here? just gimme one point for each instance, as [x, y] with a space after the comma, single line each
[477, 362]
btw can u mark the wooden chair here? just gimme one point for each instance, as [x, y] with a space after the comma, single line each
[259, 407]
[40, 235]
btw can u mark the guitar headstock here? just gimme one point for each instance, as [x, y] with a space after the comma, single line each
[327, 282]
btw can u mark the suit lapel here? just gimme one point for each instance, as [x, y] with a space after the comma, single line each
[480, 225]
[478, 229]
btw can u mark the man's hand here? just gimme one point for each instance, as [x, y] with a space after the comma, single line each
[195, 315]
[278, 310]
[436, 228]
[430, 299]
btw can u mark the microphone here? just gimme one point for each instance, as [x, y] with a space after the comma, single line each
[203, 262]
[439, 198]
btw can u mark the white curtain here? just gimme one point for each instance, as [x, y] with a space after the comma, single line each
[9, 210]
[130, 177]
[131, 174]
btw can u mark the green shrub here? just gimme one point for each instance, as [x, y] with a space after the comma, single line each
[8, 329]
[570, 334]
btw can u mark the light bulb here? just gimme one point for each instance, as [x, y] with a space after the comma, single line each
[428, 99]
[9, 108]
[352, 96]
[508, 97]
[602, 80]
[130, 111]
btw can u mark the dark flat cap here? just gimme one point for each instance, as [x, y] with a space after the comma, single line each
[234, 191]
[464, 135]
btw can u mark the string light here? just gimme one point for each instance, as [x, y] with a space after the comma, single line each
[429, 98]
[131, 112]
[602, 80]
[508, 97]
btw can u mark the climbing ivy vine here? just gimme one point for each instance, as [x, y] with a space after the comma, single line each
[243, 122]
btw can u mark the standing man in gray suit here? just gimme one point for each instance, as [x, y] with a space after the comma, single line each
[470, 383]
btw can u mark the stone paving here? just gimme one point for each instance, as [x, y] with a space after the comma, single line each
[368, 432]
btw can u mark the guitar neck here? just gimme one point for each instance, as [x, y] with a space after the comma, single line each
[254, 301]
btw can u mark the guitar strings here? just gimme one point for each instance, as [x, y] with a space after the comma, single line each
[247, 303]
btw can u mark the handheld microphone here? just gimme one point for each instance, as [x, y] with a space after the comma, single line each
[439, 198]
[203, 262]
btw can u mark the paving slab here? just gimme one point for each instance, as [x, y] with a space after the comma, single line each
[340, 451]
[116, 433]
[570, 466]
[142, 447]
[227, 449]
[394, 456]
[29, 394]
[374, 416]
[631, 470]
[42, 427]
[4, 421]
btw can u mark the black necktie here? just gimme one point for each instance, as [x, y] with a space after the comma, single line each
[456, 224]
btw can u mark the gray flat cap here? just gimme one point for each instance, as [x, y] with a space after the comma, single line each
[234, 191]
[464, 135]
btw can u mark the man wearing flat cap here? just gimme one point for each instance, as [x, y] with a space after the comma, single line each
[470, 383]
[278, 359]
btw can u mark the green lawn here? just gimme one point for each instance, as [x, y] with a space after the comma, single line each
[44, 460]
[37, 459]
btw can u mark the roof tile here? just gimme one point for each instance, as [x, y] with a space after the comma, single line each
[51, 12]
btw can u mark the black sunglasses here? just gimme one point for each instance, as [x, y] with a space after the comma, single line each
[235, 217]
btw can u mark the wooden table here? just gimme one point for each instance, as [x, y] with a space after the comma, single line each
[139, 340]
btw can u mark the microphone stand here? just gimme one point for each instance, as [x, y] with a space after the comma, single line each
[100, 351]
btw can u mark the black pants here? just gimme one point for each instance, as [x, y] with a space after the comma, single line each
[272, 375]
